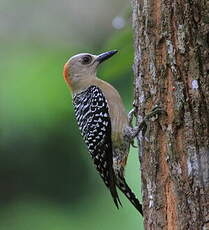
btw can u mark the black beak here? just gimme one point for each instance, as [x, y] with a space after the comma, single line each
[104, 56]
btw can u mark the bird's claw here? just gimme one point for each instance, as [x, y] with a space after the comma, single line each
[143, 125]
[132, 132]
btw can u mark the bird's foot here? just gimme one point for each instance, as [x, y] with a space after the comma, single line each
[134, 131]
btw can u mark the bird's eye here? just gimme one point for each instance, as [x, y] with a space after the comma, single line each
[86, 60]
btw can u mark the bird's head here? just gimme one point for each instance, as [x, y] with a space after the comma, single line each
[81, 69]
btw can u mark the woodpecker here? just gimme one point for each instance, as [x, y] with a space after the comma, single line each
[103, 122]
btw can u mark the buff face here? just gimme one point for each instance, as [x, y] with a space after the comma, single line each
[82, 67]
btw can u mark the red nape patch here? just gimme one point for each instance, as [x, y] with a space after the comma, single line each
[66, 74]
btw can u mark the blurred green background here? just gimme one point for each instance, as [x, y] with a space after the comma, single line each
[47, 180]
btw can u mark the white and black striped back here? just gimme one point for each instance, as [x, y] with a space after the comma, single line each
[91, 111]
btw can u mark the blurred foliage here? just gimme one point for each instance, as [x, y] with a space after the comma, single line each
[47, 179]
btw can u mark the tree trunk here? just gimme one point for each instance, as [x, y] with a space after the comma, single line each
[172, 71]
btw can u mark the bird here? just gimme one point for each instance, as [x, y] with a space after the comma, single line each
[103, 122]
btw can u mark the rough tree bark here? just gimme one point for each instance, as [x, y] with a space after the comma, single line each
[172, 71]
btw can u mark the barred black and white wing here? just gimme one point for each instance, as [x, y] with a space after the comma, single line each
[91, 111]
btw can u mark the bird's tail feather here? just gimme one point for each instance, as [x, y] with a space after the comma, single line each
[113, 191]
[123, 186]
[115, 197]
